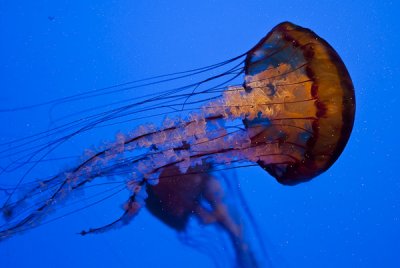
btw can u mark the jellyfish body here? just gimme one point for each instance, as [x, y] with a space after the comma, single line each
[292, 116]
[180, 196]
[315, 124]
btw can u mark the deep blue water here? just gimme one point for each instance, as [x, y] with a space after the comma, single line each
[347, 217]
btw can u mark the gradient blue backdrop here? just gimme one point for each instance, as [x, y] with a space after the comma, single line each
[348, 217]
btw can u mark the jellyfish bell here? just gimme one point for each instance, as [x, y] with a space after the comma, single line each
[179, 197]
[309, 82]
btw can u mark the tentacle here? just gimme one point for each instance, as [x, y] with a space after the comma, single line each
[131, 209]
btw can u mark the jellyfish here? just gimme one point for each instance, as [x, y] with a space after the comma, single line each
[178, 197]
[291, 114]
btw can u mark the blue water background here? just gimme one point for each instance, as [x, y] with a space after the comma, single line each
[347, 217]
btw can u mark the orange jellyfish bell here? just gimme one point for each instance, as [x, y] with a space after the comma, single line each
[178, 196]
[312, 99]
